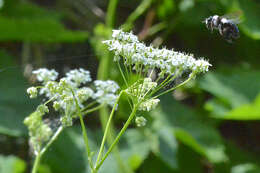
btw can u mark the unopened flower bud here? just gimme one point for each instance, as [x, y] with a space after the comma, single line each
[140, 121]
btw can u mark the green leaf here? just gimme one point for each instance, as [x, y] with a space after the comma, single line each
[246, 111]
[15, 104]
[239, 161]
[245, 168]
[37, 30]
[235, 86]
[35, 24]
[251, 14]
[154, 164]
[191, 130]
[187, 139]
[166, 8]
[135, 149]
[186, 4]
[67, 153]
[11, 164]
[25, 9]
[234, 92]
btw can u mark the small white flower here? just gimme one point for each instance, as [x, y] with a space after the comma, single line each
[78, 76]
[127, 47]
[109, 99]
[45, 75]
[84, 93]
[106, 86]
[32, 91]
[149, 105]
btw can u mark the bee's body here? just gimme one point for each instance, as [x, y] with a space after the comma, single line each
[226, 27]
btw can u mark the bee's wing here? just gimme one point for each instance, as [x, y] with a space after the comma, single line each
[235, 17]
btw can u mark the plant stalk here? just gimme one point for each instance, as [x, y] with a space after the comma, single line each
[130, 118]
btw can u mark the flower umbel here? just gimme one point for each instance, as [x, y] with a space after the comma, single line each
[144, 60]
[67, 95]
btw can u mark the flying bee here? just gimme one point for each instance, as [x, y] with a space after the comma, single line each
[226, 25]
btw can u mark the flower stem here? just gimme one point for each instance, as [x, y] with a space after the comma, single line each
[107, 128]
[36, 163]
[85, 137]
[53, 138]
[181, 84]
[132, 115]
[84, 131]
[39, 155]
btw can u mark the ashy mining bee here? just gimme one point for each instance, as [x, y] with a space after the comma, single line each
[226, 25]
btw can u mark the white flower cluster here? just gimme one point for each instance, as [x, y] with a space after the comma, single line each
[133, 52]
[148, 105]
[45, 75]
[106, 92]
[64, 92]
[78, 76]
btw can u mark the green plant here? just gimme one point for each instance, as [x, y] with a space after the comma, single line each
[71, 99]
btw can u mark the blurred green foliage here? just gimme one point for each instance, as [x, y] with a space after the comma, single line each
[211, 125]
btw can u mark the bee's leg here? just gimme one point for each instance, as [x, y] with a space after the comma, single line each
[220, 29]
[211, 27]
[228, 36]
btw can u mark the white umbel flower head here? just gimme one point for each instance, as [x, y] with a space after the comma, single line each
[105, 93]
[45, 75]
[127, 47]
[79, 76]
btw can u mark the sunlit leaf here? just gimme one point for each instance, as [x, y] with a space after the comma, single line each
[245, 112]
[11, 164]
[234, 91]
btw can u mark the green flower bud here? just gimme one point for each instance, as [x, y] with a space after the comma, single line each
[140, 121]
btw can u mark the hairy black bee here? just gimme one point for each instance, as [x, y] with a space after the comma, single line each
[226, 25]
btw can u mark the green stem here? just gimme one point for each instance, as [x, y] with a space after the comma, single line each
[92, 109]
[144, 5]
[111, 10]
[39, 155]
[132, 115]
[107, 128]
[84, 131]
[85, 137]
[181, 84]
[36, 163]
[53, 138]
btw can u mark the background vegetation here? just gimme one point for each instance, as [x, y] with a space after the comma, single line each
[211, 125]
